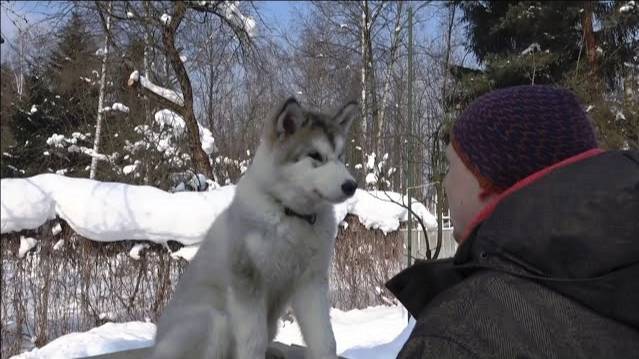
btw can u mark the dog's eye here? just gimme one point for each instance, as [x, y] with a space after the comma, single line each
[316, 156]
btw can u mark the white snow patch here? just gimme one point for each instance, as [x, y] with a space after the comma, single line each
[628, 7]
[58, 245]
[137, 249]
[26, 244]
[120, 107]
[371, 179]
[56, 229]
[165, 19]
[233, 14]
[169, 95]
[186, 252]
[168, 117]
[534, 47]
[135, 76]
[108, 338]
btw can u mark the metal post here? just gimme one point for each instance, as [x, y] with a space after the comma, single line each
[409, 172]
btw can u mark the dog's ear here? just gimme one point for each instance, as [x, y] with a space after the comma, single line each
[344, 117]
[289, 119]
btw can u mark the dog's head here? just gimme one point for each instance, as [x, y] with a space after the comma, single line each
[302, 159]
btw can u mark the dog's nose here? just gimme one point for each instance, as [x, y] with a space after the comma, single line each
[349, 187]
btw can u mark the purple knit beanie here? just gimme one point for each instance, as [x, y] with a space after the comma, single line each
[511, 133]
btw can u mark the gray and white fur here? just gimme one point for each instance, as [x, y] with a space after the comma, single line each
[270, 248]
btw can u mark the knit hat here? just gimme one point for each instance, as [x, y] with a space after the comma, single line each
[511, 133]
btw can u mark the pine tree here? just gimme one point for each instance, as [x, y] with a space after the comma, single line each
[582, 45]
[62, 99]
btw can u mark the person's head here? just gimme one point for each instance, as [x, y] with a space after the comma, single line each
[505, 136]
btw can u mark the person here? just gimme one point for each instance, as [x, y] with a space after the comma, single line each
[548, 231]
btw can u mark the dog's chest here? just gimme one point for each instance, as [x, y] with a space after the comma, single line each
[283, 252]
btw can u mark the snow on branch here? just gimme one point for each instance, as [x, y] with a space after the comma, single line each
[162, 93]
[230, 11]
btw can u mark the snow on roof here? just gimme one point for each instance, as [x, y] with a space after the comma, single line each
[109, 211]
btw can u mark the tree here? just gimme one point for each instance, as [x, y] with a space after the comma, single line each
[61, 98]
[533, 42]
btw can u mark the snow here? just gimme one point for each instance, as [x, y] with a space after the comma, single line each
[534, 47]
[34, 109]
[137, 249]
[370, 163]
[101, 51]
[627, 8]
[374, 332]
[371, 179]
[169, 95]
[165, 19]
[135, 76]
[109, 211]
[232, 13]
[57, 228]
[168, 117]
[56, 140]
[108, 338]
[26, 244]
[58, 245]
[120, 107]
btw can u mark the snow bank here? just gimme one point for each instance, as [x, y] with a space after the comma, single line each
[108, 338]
[375, 332]
[109, 211]
[380, 210]
[106, 211]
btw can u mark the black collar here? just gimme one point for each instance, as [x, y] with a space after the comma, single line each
[310, 218]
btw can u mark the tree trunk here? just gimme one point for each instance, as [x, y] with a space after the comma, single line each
[589, 39]
[98, 125]
[364, 70]
[200, 158]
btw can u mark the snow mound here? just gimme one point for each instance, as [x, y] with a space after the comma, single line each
[108, 338]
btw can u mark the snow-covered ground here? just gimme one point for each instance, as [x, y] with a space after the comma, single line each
[371, 333]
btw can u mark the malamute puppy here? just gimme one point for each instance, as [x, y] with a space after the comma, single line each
[271, 247]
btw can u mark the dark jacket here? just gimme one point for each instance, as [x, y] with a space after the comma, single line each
[553, 272]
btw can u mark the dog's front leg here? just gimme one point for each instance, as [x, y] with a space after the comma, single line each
[311, 307]
[248, 319]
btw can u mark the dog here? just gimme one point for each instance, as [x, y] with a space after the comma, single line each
[271, 248]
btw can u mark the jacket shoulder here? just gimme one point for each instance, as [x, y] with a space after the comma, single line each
[495, 314]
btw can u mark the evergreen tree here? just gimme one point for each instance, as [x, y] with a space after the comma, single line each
[583, 45]
[61, 99]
